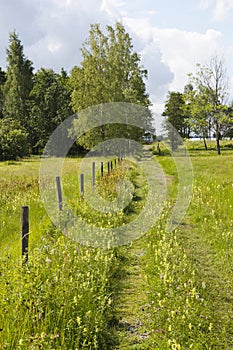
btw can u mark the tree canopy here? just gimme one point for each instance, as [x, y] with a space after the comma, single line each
[19, 82]
[176, 115]
[209, 99]
[110, 72]
[49, 105]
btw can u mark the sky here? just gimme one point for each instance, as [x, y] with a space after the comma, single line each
[171, 36]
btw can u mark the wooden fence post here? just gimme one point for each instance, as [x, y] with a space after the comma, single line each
[102, 169]
[25, 232]
[111, 165]
[82, 185]
[59, 193]
[93, 174]
[109, 170]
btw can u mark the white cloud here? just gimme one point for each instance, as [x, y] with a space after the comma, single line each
[182, 50]
[113, 8]
[52, 31]
[172, 53]
[220, 8]
[54, 46]
[205, 4]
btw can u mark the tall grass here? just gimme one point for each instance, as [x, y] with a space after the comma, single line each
[189, 270]
[63, 297]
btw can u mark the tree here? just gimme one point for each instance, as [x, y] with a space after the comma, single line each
[2, 82]
[176, 114]
[110, 72]
[196, 104]
[210, 96]
[228, 132]
[50, 105]
[13, 140]
[19, 82]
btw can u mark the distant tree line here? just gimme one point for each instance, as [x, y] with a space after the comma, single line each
[32, 104]
[203, 108]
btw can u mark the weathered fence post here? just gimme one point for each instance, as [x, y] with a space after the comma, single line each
[59, 193]
[102, 169]
[93, 174]
[25, 232]
[109, 169]
[82, 185]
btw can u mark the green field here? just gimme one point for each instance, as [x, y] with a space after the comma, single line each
[166, 290]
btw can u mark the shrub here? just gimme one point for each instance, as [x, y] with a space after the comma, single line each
[13, 140]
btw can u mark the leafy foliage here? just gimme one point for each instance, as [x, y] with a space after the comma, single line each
[110, 72]
[176, 115]
[50, 105]
[208, 100]
[19, 82]
[13, 140]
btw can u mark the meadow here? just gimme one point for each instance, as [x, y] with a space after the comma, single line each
[166, 290]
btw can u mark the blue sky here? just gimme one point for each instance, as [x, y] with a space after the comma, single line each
[171, 36]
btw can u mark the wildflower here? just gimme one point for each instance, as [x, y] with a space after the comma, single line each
[203, 285]
[79, 320]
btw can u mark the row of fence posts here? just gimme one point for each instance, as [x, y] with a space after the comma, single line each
[25, 209]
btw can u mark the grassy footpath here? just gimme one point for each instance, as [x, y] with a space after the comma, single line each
[178, 287]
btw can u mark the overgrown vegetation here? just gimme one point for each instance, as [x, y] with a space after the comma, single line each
[167, 290]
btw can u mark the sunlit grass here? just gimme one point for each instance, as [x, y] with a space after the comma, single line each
[67, 295]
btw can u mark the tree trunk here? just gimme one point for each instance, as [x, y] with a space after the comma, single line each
[205, 144]
[204, 139]
[102, 133]
[218, 143]
[218, 138]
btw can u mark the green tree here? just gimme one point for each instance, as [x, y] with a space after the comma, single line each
[176, 114]
[199, 116]
[209, 103]
[13, 140]
[228, 132]
[19, 82]
[110, 72]
[2, 82]
[50, 105]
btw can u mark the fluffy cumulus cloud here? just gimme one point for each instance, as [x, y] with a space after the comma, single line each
[159, 72]
[52, 31]
[220, 8]
[183, 49]
[170, 54]
[113, 8]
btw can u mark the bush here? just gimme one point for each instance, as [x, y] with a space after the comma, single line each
[13, 140]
